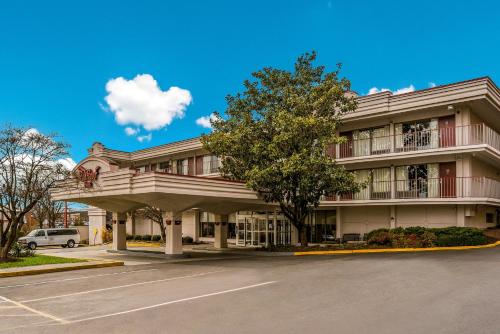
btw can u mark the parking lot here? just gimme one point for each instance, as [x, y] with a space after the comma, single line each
[442, 292]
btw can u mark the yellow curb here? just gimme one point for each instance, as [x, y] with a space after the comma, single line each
[145, 244]
[395, 250]
[102, 264]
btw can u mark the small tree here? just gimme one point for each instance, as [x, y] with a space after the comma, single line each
[156, 215]
[276, 134]
[29, 168]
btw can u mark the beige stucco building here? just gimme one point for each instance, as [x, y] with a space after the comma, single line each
[431, 158]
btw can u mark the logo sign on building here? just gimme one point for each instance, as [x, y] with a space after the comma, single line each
[87, 175]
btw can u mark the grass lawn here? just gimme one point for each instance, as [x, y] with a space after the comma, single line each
[36, 261]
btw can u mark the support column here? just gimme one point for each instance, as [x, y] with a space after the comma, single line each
[393, 182]
[294, 237]
[173, 230]
[338, 223]
[131, 222]
[460, 215]
[392, 136]
[119, 231]
[97, 224]
[393, 217]
[220, 237]
[275, 227]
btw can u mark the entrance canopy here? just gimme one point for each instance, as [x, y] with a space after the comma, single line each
[101, 184]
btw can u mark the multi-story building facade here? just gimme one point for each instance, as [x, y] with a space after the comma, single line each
[429, 158]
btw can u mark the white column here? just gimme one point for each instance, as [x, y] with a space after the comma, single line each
[267, 229]
[338, 222]
[119, 231]
[97, 224]
[392, 136]
[393, 217]
[460, 215]
[294, 235]
[173, 229]
[191, 224]
[275, 227]
[393, 182]
[220, 237]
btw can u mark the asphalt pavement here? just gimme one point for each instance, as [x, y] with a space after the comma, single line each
[441, 292]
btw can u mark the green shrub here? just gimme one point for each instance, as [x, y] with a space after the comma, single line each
[137, 237]
[459, 236]
[146, 237]
[156, 237]
[380, 237]
[130, 237]
[17, 250]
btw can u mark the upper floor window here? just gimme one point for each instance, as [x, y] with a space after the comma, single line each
[366, 142]
[416, 135]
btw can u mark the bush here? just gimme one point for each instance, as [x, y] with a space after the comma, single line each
[137, 237]
[459, 236]
[130, 237]
[418, 237]
[187, 240]
[156, 237]
[18, 250]
[146, 237]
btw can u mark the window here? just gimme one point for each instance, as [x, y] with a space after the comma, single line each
[378, 183]
[417, 181]
[210, 164]
[165, 166]
[490, 218]
[417, 135]
[40, 233]
[182, 167]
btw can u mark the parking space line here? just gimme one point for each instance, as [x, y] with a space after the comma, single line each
[172, 302]
[75, 278]
[121, 286]
[30, 309]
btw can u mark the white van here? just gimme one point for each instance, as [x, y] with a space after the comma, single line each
[66, 237]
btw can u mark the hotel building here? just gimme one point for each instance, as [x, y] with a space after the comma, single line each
[431, 158]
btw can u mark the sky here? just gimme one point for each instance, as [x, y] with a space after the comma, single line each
[134, 74]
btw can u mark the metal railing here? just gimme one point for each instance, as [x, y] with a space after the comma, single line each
[420, 140]
[443, 187]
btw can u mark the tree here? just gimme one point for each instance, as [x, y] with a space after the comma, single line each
[48, 209]
[156, 215]
[275, 136]
[29, 168]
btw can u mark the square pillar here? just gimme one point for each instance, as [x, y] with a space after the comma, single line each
[393, 218]
[119, 231]
[220, 238]
[460, 215]
[338, 223]
[191, 224]
[97, 224]
[392, 137]
[173, 230]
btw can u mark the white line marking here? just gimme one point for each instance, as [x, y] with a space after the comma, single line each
[120, 286]
[173, 302]
[43, 314]
[19, 315]
[74, 278]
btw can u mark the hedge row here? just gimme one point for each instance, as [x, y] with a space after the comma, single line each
[417, 237]
[145, 237]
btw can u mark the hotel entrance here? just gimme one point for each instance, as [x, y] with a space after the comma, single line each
[262, 229]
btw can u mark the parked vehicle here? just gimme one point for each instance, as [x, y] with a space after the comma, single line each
[66, 237]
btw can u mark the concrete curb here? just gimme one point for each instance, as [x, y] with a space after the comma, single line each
[144, 244]
[395, 250]
[75, 266]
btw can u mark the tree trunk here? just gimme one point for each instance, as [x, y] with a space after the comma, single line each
[303, 235]
[11, 237]
[163, 233]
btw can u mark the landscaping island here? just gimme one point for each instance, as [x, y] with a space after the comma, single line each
[36, 260]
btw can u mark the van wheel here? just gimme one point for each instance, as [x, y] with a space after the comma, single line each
[71, 243]
[32, 245]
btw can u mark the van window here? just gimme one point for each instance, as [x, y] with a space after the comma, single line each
[52, 232]
[40, 233]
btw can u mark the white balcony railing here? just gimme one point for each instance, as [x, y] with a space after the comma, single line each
[445, 187]
[420, 140]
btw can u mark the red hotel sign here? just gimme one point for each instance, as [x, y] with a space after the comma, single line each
[87, 176]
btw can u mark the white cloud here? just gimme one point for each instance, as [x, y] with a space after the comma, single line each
[432, 84]
[141, 102]
[204, 121]
[403, 90]
[131, 131]
[144, 138]
[68, 163]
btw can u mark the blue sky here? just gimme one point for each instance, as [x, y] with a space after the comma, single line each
[57, 57]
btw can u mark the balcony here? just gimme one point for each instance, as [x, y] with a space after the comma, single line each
[468, 135]
[432, 188]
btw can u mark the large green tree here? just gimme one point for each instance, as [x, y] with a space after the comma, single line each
[275, 135]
